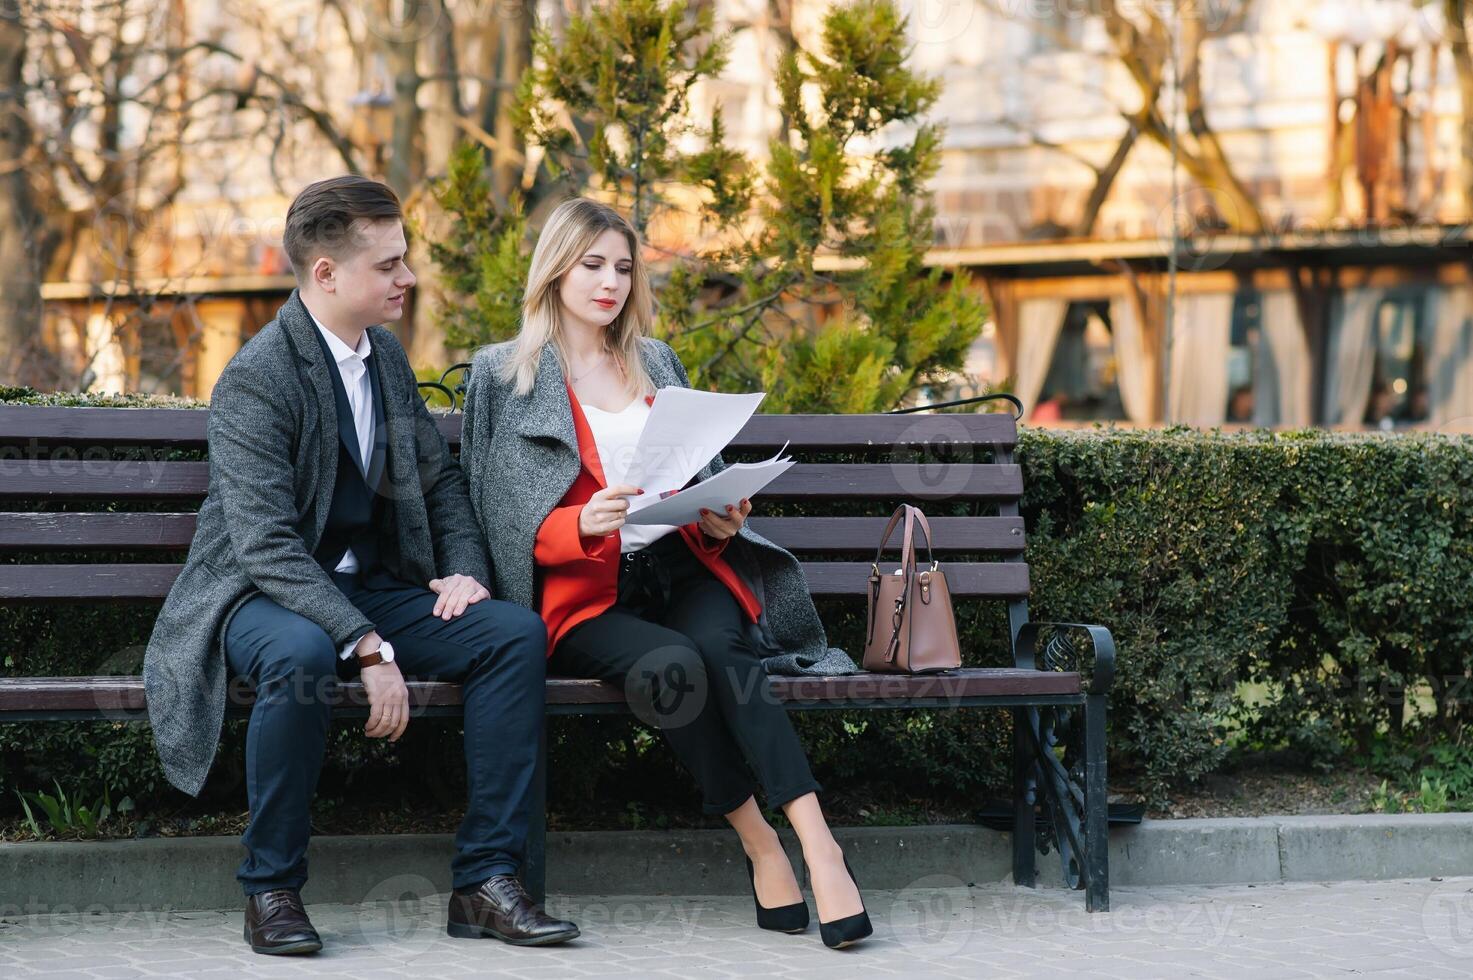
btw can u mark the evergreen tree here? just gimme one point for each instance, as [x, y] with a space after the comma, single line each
[484, 261]
[610, 104]
[898, 326]
[623, 74]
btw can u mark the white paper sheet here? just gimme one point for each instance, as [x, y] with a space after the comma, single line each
[686, 428]
[737, 482]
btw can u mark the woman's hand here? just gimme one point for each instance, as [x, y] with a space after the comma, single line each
[456, 592]
[720, 526]
[605, 511]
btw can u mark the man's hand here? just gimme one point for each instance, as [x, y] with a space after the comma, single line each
[456, 593]
[388, 700]
[720, 526]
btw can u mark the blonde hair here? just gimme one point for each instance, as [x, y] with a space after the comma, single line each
[570, 232]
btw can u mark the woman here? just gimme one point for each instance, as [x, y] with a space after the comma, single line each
[676, 615]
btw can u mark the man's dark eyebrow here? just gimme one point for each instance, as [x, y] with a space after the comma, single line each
[392, 258]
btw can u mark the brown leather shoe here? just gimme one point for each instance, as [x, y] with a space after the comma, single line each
[500, 907]
[276, 924]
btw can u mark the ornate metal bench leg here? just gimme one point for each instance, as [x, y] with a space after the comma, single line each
[534, 869]
[1096, 807]
[1025, 790]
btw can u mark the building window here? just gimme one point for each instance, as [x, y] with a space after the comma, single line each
[1399, 382]
[1243, 350]
[1081, 383]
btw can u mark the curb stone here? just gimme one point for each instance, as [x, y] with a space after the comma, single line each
[199, 872]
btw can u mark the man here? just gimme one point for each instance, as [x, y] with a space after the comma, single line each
[337, 538]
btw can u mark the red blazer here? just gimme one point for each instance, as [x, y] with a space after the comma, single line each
[580, 576]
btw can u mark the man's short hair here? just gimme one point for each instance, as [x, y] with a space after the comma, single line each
[324, 217]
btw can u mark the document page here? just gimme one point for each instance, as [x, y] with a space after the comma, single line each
[737, 482]
[685, 429]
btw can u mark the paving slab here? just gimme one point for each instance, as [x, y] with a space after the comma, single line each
[1414, 928]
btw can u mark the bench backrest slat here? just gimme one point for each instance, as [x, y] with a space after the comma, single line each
[68, 531]
[185, 428]
[71, 479]
[138, 581]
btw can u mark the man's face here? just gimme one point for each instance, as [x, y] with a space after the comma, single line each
[370, 283]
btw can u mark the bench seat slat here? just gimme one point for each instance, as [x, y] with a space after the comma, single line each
[72, 531]
[110, 694]
[138, 582]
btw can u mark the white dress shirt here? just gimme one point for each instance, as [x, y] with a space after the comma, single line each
[360, 401]
[616, 434]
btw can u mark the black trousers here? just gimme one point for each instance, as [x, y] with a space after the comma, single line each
[675, 640]
[497, 650]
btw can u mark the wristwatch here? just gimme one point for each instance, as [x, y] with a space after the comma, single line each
[383, 655]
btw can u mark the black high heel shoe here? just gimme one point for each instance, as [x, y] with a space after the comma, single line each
[848, 930]
[785, 918]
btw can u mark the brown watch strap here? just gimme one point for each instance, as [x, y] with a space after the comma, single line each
[370, 659]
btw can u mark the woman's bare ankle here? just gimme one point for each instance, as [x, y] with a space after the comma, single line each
[823, 852]
[763, 847]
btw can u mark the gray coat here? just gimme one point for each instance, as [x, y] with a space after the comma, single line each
[520, 454]
[273, 449]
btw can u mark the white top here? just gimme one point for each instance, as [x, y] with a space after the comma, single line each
[616, 434]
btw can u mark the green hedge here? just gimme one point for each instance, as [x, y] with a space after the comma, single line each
[1264, 589]
[1283, 588]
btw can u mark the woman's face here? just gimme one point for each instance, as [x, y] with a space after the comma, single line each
[593, 291]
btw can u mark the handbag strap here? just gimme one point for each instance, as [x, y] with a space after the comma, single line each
[889, 530]
[925, 526]
[874, 576]
[913, 519]
[912, 515]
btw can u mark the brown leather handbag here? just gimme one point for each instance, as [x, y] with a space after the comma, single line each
[910, 627]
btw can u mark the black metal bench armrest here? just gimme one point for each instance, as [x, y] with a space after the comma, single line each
[1103, 675]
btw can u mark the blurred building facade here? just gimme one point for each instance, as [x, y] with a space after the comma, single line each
[1348, 306]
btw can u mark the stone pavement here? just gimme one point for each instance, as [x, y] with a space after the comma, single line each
[936, 928]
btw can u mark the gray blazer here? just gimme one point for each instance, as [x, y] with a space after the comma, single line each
[520, 454]
[273, 448]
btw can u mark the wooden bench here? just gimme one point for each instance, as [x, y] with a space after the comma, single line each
[1056, 690]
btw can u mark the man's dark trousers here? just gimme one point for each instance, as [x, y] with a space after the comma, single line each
[496, 649]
